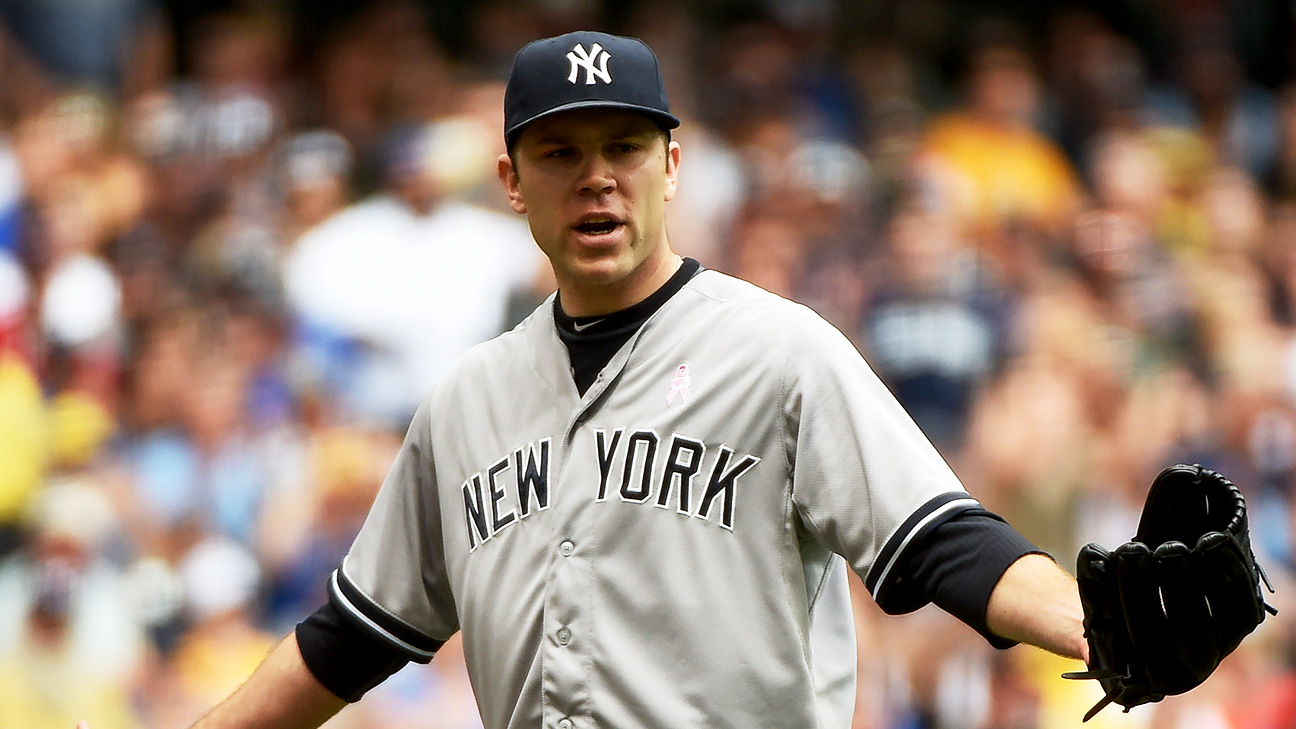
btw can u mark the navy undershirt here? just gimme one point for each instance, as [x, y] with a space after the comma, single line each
[954, 564]
[591, 341]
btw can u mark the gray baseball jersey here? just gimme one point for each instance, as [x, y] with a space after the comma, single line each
[660, 551]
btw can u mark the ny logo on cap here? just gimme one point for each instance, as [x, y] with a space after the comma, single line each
[581, 59]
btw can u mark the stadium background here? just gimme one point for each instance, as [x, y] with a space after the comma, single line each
[1065, 235]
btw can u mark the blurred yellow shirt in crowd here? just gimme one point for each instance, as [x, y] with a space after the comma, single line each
[1063, 702]
[39, 690]
[211, 663]
[78, 427]
[24, 437]
[1000, 174]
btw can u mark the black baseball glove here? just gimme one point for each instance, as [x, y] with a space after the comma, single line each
[1162, 611]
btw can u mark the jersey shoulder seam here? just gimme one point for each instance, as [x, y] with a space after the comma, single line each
[701, 285]
[791, 512]
[778, 313]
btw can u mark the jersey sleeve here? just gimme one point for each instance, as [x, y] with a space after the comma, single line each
[393, 582]
[343, 656]
[866, 482]
[957, 566]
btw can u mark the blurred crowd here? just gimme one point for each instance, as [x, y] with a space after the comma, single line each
[1066, 242]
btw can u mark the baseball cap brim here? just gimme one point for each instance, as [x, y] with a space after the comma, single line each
[664, 120]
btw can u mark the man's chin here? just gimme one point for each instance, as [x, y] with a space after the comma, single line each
[601, 270]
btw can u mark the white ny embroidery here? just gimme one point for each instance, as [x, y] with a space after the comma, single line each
[581, 59]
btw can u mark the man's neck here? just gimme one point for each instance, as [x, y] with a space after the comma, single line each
[639, 285]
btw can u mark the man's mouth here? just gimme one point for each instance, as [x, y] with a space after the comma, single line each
[597, 226]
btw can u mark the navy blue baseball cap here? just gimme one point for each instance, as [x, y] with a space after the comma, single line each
[584, 70]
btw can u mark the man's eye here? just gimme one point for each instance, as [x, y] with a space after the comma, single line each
[624, 148]
[558, 153]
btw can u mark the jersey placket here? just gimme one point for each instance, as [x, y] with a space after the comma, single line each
[569, 589]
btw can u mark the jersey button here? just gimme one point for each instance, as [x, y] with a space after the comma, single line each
[565, 724]
[563, 635]
[566, 548]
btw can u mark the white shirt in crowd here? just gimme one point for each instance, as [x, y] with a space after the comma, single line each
[422, 289]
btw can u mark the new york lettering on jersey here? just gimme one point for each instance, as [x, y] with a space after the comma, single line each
[676, 472]
[504, 493]
[530, 481]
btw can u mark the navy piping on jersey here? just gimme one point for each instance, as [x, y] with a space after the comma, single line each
[380, 623]
[929, 516]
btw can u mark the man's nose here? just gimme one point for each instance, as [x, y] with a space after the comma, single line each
[596, 175]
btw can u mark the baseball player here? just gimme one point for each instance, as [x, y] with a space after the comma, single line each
[638, 506]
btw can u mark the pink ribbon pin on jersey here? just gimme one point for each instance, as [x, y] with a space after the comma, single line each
[679, 385]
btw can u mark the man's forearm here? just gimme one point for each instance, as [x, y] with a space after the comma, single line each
[1037, 602]
[281, 694]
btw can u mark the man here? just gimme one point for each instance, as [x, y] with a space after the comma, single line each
[631, 503]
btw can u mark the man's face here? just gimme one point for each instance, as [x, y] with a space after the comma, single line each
[593, 184]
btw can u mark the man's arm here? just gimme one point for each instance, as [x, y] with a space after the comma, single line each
[281, 694]
[1037, 602]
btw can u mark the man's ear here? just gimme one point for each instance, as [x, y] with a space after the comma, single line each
[672, 168]
[509, 178]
